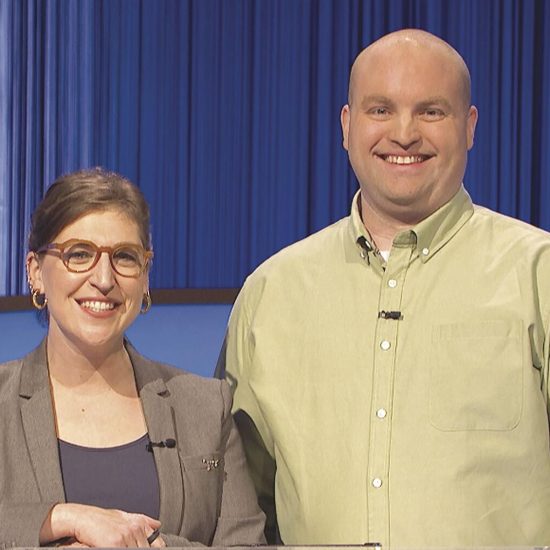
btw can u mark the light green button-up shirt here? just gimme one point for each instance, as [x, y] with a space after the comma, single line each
[426, 430]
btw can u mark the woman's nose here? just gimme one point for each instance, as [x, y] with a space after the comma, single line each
[103, 275]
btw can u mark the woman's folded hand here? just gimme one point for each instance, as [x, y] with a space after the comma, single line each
[93, 526]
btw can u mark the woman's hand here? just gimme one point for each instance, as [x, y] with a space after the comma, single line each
[93, 526]
[158, 543]
[71, 543]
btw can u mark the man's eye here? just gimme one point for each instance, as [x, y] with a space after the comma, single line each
[433, 114]
[379, 111]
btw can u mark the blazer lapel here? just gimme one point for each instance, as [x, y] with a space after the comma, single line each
[39, 426]
[159, 417]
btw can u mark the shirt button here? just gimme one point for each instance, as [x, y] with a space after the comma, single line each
[392, 283]
[377, 483]
[381, 413]
[385, 345]
[425, 251]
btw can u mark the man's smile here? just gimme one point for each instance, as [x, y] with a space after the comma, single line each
[404, 159]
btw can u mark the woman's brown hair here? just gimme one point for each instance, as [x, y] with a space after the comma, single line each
[79, 193]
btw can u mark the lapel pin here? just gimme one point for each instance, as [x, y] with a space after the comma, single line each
[210, 463]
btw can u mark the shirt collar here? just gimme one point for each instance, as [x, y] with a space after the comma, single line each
[356, 228]
[431, 234]
[440, 227]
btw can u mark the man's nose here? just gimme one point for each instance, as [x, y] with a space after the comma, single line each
[103, 275]
[405, 131]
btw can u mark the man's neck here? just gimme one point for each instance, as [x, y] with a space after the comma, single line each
[381, 228]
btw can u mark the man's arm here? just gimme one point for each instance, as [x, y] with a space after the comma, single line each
[241, 522]
[234, 364]
[262, 470]
[546, 367]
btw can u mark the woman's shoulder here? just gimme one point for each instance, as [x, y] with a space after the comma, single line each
[179, 382]
[10, 368]
[10, 375]
[178, 376]
[35, 355]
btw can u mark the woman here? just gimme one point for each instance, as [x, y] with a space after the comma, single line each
[100, 446]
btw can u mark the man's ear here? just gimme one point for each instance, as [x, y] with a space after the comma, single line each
[344, 121]
[471, 126]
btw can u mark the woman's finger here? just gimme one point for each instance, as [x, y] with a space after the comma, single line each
[153, 536]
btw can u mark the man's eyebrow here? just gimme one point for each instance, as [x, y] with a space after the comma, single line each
[376, 99]
[369, 100]
[436, 100]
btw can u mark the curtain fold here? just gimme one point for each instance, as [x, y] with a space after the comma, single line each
[226, 114]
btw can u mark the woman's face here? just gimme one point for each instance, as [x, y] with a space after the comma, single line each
[90, 310]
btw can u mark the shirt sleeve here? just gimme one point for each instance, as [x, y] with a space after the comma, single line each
[235, 364]
[241, 521]
[546, 367]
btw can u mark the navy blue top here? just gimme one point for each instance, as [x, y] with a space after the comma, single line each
[123, 477]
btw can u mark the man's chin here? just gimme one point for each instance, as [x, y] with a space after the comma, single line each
[408, 209]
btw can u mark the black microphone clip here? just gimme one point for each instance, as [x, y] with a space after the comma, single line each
[168, 443]
[366, 248]
[395, 315]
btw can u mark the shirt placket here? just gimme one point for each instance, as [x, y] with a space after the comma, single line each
[390, 317]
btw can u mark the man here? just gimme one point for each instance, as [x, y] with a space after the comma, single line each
[394, 366]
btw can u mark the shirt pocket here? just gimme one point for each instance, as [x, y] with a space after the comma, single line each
[476, 380]
[202, 485]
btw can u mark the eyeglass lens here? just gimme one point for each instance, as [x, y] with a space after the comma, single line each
[125, 260]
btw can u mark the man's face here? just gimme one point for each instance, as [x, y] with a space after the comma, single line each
[408, 130]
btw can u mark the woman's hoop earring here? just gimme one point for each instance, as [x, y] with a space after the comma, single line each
[35, 297]
[146, 303]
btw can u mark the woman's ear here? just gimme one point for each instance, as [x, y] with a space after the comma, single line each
[34, 273]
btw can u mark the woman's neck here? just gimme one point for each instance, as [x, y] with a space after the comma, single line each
[90, 369]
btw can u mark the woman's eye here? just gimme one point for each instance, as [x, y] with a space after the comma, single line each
[79, 255]
[126, 257]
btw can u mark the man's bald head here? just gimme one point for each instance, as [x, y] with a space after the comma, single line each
[420, 40]
[408, 126]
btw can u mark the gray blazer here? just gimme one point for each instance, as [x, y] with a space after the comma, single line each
[206, 496]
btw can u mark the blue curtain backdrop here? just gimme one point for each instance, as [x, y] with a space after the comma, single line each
[226, 113]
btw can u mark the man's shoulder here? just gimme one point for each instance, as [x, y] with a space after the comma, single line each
[320, 246]
[293, 272]
[510, 229]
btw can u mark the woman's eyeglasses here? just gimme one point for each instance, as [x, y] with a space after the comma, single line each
[79, 256]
